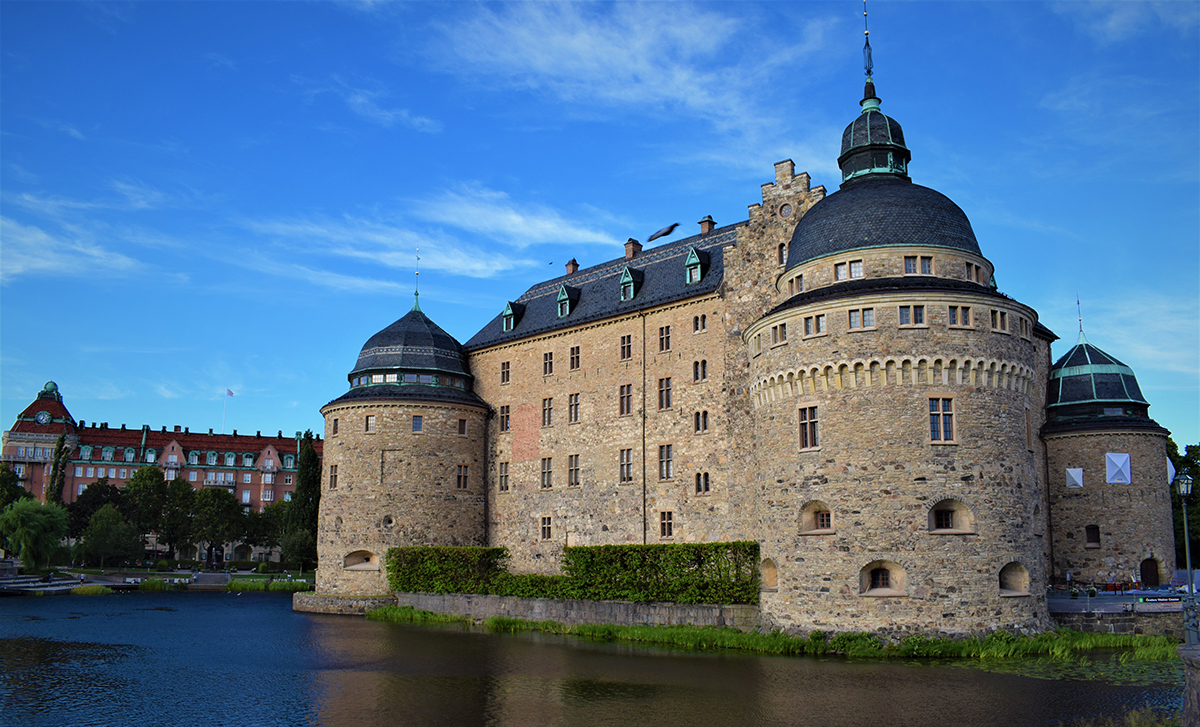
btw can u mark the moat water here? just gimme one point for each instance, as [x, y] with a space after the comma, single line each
[186, 659]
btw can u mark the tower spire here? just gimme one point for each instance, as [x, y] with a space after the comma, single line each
[868, 64]
[417, 282]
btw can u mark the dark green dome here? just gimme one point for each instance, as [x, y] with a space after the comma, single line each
[1085, 374]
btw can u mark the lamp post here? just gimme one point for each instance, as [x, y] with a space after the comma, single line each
[1184, 484]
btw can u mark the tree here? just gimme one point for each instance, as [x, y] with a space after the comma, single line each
[218, 517]
[306, 502]
[97, 495]
[178, 508]
[299, 548]
[274, 525]
[33, 529]
[1187, 463]
[10, 487]
[59, 461]
[109, 535]
[143, 499]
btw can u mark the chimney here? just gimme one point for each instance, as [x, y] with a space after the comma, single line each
[185, 430]
[83, 424]
[258, 433]
[281, 434]
[122, 427]
[707, 225]
[178, 428]
[632, 248]
[572, 267]
[104, 425]
[210, 431]
[235, 432]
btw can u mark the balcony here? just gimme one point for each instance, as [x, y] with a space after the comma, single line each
[269, 468]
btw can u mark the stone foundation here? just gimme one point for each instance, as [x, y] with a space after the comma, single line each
[337, 604]
[1191, 694]
[1152, 624]
[575, 612]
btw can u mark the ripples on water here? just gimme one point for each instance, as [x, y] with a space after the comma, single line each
[182, 659]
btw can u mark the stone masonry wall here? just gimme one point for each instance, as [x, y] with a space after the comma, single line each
[1134, 520]
[310, 602]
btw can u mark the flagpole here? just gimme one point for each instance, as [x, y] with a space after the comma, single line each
[224, 408]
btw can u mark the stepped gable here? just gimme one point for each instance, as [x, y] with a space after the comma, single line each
[48, 402]
[597, 289]
[1090, 389]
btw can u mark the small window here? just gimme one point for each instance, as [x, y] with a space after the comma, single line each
[856, 268]
[625, 399]
[508, 320]
[796, 285]
[664, 393]
[572, 470]
[881, 578]
[700, 370]
[573, 408]
[547, 363]
[808, 427]
[575, 358]
[547, 531]
[461, 479]
[333, 476]
[626, 348]
[504, 418]
[211, 458]
[245, 497]
[839, 271]
[502, 476]
[564, 308]
[910, 264]
[779, 334]
[625, 471]
[1092, 534]
[666, 462]
[547, 472]
[699, 323]
[504, 372]
[418, 423]
[129, 455]
[702, 483]
[228, 460]
[666, 524]
[960, 315]
[1113, 411]
[627, 291]
[941, 420]
[781, 254]
[548, 412]
[943, 519]
[462, 427]
[370, 423]
[701, 421]
[926, 265]
[911, 315]
[823, 519]
[664, 338]
[814, 325]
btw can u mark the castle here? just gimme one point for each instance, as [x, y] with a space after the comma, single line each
[836, 377]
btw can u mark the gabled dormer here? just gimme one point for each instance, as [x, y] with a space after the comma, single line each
[695, 266]
[568, 298]
[511, 316]
[631, 283]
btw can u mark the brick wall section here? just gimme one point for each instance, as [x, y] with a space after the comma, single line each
[338, 605]
[396, 487]
[1151, 624]
[1134, 520]
[576, 612]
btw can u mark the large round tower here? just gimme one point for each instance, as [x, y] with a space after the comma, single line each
[1110, 499]
[898, 398]
[404, 456]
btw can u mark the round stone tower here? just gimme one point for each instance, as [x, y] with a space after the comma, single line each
[1107, 462]
[898, 398]
[404, 456]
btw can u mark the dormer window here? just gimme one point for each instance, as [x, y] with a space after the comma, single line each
[150, 456]
[692, 271]
[129, 454]
[192, 458]
[107, 454]
[509, 317]
[211, 458]
[289, 462]
[85, 452]
[629, 284]
[229, 459]
[247, 460]
[564, 301]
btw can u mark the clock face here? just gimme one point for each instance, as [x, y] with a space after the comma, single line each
[43, 417]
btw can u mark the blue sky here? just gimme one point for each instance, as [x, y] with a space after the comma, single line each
[202, 196]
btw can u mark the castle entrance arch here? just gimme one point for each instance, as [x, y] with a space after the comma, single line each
[1150, 572]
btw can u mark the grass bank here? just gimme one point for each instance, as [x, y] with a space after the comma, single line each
[1060, 644]
[91, 590]
[262, 584]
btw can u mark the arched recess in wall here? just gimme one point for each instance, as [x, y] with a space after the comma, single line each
[951, 517]
[769, 574]
[816, 518]
[1014, 580]
[361, 560]
[882, 579]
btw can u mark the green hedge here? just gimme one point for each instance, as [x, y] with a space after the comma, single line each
[682, 573]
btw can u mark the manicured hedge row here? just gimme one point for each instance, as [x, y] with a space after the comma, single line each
[679, 573]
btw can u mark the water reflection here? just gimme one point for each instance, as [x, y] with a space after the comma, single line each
[215, 659]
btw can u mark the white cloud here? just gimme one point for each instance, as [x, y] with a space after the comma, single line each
[365, 103]
[220, 60]
[1143, 328]
[139, 196]
[67, 129]
[29, 250]
[1113, 22]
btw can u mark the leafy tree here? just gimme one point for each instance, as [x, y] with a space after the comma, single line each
[10, 487]
[300, 548]
[109, 535]
[1186, 463]
[97, 495]
[178, 508]
[33, 529]
[306, 502]
[274, 525]
[59, 461]
[218, 517]
[144, 497]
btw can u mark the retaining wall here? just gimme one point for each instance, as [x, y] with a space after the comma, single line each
[1155, 624]
[574, 612]
[337, 604]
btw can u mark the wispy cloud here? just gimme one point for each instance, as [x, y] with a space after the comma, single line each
[1113, 22]
[67, 129]
[365, 102]
[29, 250]
[220, 60]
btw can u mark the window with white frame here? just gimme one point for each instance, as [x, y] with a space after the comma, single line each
[941, 419]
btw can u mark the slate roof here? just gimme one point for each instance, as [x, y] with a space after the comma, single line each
[880, 211]
[872, 127]
[1087, 374]
[914, 283]
[413, 342]
[411, 392]
[662, 270]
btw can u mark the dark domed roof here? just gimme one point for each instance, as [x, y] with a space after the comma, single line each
[872, 127]
[1087, 374]
[413, 342]
[880, 211]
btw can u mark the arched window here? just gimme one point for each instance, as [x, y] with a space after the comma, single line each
[770, 575]
[1014, 580]
[951, 517]
[882, 579]
[1092, 533]
[781, 254]
[816, 518]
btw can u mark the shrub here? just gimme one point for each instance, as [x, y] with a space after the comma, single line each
[444, 570]
[162, 566]
[152, 585]
[92, 590]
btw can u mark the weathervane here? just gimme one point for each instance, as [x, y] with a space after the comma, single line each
[866, 42]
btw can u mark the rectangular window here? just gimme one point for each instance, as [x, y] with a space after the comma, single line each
[574, 358]
[502, 476]
[666, 462]
[664, 393]
[820, 323]
[418, 423]
[823, 520]
[918, 315]
[626, 468]
[626, 348]
[912, 315]
[245, 497]
[547, 472]
[779, 333]
[856, 269]
[941, 420]
[462, 427]
[808, 325]
[664, 338]
[124, 473]
[547, 412]
[112, 472]
[79, 472]
[868, 317]
[547, 363]
[1003, 321]
[547, 531]
[129, 455]
[701, 421]
[666, 528]
[573, 408]
[268, 495]
[572, 470]
[839, 271]
[626, 399]
[91, 471]
[246, 477]
[370, 424]
[504, 420]
[943, 519]
[460, 479]
[701, 483]
[504, 372]
[927, 266]
[808, 427]
[700, 370]
[855, 319]
[192, 476]
[910, 264]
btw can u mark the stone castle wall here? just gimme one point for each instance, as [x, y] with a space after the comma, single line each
[1134, 520]
[396, 487]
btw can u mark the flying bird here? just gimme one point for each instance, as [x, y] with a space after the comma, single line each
[663, 232]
